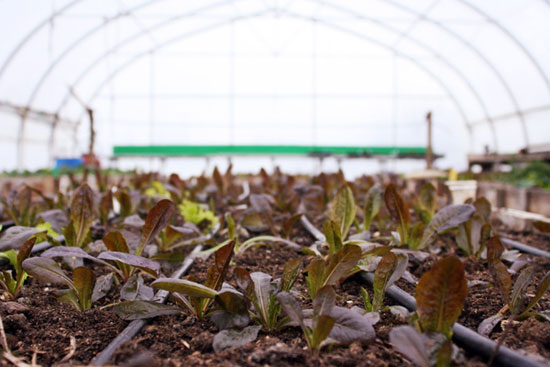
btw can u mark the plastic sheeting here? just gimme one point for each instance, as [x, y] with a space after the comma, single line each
[346, 72]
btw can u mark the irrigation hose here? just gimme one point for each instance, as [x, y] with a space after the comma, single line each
[465, 337]
[525, 248]
[135, 326]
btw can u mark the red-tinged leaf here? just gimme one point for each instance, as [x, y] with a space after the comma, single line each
[408, 341]
[234, 338]
[218, 180]
[289, 223]
[84, 281]
[518, 292]
[483, 208]
[140, 262]
[488, 324]
[342, 210]
[399, 210]
[217, 272]
[321, 330]
[341, 264]
[105, 206]
[136, 310]
[350, 326]
[544, 227]
[125, 203]
[373, 202]
[324, 301]
[315, 279]
[261, 293]
[24, 252]
[46, 270]
[134, 289]
[502, 278]
[102, 286]
[15, 237]
[292, 308]
[82, 214]
[440, 295]
[541, 290]
[448, 217]
[390, 268]
[242, 277]
[157, 218]
[115, 241]
[291, 271]
[495, 248]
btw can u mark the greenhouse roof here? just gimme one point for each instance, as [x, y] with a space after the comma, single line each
[273, 72]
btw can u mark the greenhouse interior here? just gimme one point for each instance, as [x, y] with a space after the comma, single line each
[275, 183]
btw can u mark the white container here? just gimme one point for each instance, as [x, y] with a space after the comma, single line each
[462, 190]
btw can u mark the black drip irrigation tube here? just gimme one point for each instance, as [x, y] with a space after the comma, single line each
[135, 326]
[463, 336]
[7, 224]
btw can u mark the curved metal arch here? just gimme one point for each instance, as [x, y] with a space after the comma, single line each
[147, 52]
[32, 33]
[431, 50]
[510, 35]
[485, 60]
[72, 46]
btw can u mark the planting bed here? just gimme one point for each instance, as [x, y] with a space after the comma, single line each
[449, 258]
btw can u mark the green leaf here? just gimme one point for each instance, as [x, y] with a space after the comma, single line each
[185, 287]
[157, 218]
[440, 295]
[84, 281]
[136, 310]
[82, 214]
[390, 268]
[315, 271]
[427, 199]
[541, 290]
[333, 237]
[231, 229]
[342, 210]
[448, 217]
[373, 202]
[321, 329]
[518, 292]
[291, 271]
[125, 203]
[399, 211]
[47, 271]
[366, 300]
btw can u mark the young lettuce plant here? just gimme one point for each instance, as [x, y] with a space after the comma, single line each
[19, 206]
[475, 232]
[373, 202]
[426, 203]
[513, 293]
[195, 297]
[440, 296]
[390, 268]
[328, 324]
[81, 286]
[12, 284]
[77, 232]
[341, 265]
[262, 291]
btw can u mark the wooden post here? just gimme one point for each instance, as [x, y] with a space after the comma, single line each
[429, 154]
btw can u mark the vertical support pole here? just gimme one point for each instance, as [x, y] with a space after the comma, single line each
[429, 154]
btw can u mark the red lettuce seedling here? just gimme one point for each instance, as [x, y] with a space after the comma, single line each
[261, 291]
[157, 218]
[474, 233]
[373, 202]
[448, 217]
[340, 266]
[342, 211]
[440, 296]
[390, 268]
[513, 293]
[77, 232]
[79, 294]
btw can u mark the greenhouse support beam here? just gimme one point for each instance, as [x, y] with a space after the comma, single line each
[121, 67]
